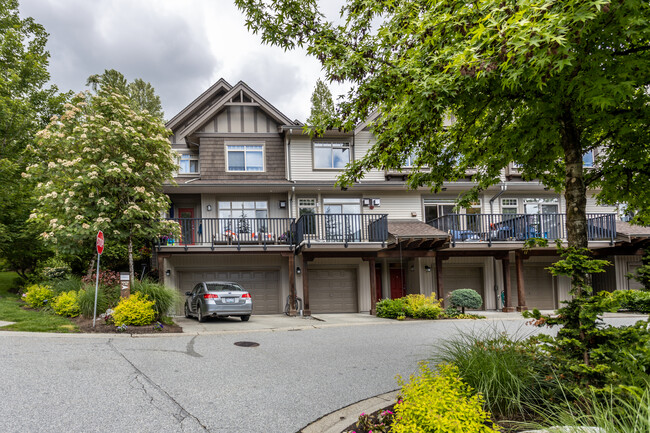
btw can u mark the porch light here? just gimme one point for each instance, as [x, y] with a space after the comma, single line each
[283, 204]
[209, 207]
[168, 272]
[298, 270]
[427, 268]
[412, 268]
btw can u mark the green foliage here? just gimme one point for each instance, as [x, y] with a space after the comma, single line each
[54, 268]
[577, 264]
[636, 300]
[507, 372]
[465, 298]
[440, 402]
[86, 300]
[642, 274]
[38, 296]
[101, 166]
[416, 306]
[65, 304]
[134, 310]
[73, 283]
[164, 297]
[322, 110]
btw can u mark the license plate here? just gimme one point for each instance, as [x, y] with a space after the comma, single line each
[230, 300]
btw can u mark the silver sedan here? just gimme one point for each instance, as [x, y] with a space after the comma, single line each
[218, 299]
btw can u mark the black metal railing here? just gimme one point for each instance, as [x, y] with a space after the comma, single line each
[232, 231]
[520, 227]
[345, 228]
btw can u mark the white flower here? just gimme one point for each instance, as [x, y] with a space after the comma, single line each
[71, 193]
[51, 164]
[25, 175]
[85, 226]
[79, 217]
[116, 232]
[139, 188]
[91, 195]
[32, 216]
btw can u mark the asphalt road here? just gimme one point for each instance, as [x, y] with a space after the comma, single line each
[198, 383]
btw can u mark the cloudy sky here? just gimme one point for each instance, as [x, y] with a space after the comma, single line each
[180, 46]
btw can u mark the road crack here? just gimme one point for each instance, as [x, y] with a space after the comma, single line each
[155, 393]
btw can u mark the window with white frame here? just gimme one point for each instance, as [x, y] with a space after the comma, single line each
[188, 163]
[331, 154]
[509, 205]
[245, 157]
[410, 161]
[243, 217]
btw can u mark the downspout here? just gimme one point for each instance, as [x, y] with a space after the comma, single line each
[504, 187]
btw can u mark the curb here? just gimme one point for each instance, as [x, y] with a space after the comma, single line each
[336, 421]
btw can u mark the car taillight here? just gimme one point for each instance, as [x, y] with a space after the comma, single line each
[246, 295]
[210, 296]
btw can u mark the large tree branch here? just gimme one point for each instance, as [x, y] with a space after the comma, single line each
[631, 51]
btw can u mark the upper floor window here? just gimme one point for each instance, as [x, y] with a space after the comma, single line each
[588, 159]
[509, 205]
[247, 157]
[188, 163]
[410, 161]
[331, 155]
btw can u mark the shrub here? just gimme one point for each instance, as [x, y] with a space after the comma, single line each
[38, 296]
[465, 298]
[391, 308]
[66, 304]
[67, 284]
[134, 310]
[421, 307]
[163, 297]
[55, 268]
[106, 278]
[428, 312]
[636, 300]
[86, 300]
[507, 372]
[440, 402]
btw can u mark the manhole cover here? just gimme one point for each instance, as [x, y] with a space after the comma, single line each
[246, 344]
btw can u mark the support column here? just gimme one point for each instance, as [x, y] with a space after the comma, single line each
[439, 288]
[161, 269]
[292, 284]
[507, 308]
[521, 291]
[373, 286]
[305, 286]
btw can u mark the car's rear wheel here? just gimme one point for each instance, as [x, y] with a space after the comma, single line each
[187, 311]
[245, 318]
[199, 314]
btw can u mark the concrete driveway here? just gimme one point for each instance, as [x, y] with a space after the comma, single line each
[298, 371]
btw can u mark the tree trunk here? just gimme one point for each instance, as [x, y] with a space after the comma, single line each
[131, 272]
[91, 268]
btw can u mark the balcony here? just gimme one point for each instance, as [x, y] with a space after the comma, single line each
[520, 227]
[341, 228]
[232, 231]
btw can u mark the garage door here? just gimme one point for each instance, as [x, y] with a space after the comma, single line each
[264, 286]
[466, 277]
[333, 291]
[538, 284]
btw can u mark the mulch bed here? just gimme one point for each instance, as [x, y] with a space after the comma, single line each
[86, 326]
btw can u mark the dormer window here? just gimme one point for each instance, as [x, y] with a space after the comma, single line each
[188, 163]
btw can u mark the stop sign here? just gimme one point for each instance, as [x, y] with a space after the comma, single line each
[100, 242]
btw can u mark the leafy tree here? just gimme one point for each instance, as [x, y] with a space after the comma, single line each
[101, 166]
[141, 94]
[322, 109]
[25, 107]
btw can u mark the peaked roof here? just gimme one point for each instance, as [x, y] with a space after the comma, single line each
[195, 105]
[195, 124]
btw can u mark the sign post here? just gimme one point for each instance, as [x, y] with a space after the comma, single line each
[100, 250]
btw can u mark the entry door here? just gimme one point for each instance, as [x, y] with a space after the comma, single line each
[342, 220]
[187, 223]
[550, 221]
[396, 284]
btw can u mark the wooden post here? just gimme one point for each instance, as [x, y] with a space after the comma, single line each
[373, 286]
[521, 291]
[507, 308]
[439, 288]
[292, 283]
[305, 286]
[161, 270]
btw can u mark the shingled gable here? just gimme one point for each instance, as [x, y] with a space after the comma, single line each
[258, 101]
[193, 109]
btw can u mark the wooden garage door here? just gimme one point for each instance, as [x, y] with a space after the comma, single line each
[538, 285]
[264, 286]
[333, 291]
[465, 277]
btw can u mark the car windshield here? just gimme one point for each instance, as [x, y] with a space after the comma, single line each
[224, 288]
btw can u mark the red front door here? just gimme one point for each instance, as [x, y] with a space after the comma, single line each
[188, 224]
[396, 284]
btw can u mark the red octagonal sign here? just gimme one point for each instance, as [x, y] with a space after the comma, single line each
[100, 242]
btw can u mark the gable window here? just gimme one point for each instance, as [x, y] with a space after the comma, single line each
[246, 157]
[331, 154]
[188, 163]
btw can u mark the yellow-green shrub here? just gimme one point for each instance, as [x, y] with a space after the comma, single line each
[67, 304]
[440, 402]
[422, 307]
[134, 310]
[37, 296]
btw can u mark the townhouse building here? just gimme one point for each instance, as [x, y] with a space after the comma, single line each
[256, 203]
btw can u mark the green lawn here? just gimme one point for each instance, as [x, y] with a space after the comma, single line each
[11, 310]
